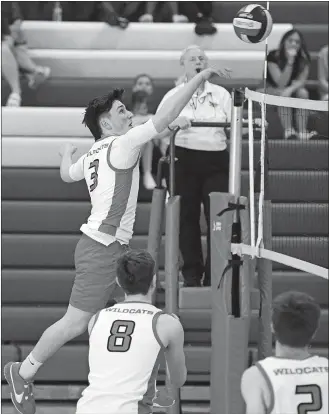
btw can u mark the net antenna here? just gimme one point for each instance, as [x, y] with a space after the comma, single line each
[259, 242]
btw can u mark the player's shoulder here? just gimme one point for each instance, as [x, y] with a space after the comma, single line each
[169, 324]
[252, 377]
[250, 374]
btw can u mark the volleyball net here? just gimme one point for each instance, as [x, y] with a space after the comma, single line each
[274, 219]
[288, 164]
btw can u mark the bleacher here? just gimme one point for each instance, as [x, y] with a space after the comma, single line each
[41, 215]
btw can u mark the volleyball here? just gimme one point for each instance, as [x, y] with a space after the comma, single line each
[253, 23]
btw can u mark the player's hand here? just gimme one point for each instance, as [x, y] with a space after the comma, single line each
[68, 149]
[222, 73]
[181, 122]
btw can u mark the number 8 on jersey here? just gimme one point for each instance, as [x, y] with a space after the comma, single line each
[120, 338]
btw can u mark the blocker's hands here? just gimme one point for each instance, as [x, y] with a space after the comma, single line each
[181, 122]
[68, 149]
[222, 73]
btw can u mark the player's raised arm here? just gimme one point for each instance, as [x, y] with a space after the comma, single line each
[171, 333]
[252, 390]
[70, 172]
[173, 106]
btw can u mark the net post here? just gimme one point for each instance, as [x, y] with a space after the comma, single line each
[171, 275]
[172, 258]
[155, 228]
[229, 334]
[264, 279]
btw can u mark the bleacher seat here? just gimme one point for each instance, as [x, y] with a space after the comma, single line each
[138, 37]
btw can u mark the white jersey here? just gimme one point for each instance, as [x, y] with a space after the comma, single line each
[296, 386]
[113, 189]
[124, 358]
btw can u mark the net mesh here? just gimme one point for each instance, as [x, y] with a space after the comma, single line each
[290, 158]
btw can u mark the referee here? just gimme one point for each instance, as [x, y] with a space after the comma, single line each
[202, 166]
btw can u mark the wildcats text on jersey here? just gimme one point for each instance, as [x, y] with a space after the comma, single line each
[126, 310]
[300, 371]
[96, 151]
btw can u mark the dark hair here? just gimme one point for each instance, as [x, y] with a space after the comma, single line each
[138, 98]
[295, 319]
[135, 271]
[302, 58]
[142, 75]
[97, 107]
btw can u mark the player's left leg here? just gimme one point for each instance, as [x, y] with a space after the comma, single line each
[94, 283]
[19, 375]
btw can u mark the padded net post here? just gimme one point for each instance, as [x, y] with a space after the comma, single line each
[156, 227]
[171, 275]
[230, 324]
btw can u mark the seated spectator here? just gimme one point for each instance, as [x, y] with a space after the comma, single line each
[108, 14]
[323, 73]
[142, 91]
[287, 73]
[15, 54]
[199, 12]
[151, 7]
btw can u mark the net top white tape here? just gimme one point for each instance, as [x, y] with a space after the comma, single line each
[242, 249]
[286, 102]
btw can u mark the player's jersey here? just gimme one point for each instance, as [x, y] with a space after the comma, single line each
[124, 359]
[113, 193]
[296, 386]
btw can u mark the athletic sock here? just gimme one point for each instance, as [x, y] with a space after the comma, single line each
[29, 367]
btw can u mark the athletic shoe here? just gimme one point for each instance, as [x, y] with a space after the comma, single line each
[14, 100]
[20, 390]
[306, 135]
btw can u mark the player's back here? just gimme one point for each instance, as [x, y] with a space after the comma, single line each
[297, 386]
[124, 358]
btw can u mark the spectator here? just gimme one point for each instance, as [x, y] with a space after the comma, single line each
[199, 12]
[151, 7]
[288, 70]
[142, 92]
[202, 166]
[15, 56]
[110, 16]
[323, 73]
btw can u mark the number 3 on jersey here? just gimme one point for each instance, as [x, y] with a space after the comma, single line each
[120, 338]
[94, 175]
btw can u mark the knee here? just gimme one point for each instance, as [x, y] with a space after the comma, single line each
[302, 93]
[75, 324]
